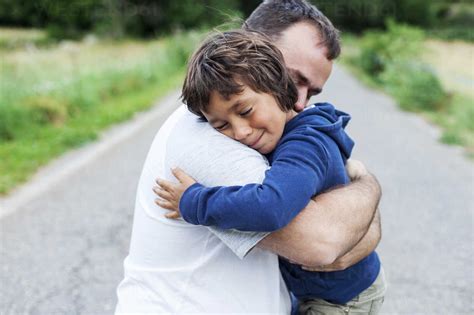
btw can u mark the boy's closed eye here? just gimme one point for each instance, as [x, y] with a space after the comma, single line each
[223, 126]
[246, 112]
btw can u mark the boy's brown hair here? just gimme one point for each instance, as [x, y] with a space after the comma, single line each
[227, 61]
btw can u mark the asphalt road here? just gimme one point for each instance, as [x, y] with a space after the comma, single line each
[61, 248]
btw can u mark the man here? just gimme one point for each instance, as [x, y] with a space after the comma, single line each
[309, 44]
[308, 40]
[174, 267]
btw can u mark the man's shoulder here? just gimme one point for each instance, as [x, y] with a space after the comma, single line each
[188, 128]
[188, 133]
[208, 155]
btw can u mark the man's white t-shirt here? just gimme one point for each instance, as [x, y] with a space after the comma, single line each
[175, 267]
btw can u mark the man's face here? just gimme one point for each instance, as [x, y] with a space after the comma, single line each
[252, 118]
[306, 60]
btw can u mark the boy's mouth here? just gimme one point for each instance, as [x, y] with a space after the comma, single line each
[254, 144]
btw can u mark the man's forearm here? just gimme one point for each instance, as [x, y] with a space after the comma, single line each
[353, 209]
[330, 226]
[366, 245]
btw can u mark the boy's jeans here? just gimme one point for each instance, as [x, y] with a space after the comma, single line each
[368, 302]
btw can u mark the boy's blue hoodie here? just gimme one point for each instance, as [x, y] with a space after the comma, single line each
[309, 159]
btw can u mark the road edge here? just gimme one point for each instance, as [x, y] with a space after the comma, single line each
[71, 161]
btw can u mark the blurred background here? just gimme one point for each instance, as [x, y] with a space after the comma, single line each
[71, 68]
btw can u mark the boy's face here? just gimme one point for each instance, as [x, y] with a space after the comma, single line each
[254, 119]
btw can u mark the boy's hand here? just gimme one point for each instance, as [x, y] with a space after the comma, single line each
[171, 193]
[355, 169]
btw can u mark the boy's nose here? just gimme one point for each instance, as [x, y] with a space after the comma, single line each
[242, 132]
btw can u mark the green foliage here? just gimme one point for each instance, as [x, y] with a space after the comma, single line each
[416, 12]
[456, 120]
[359, 15]
[390, 59]
[13, 119]
[46, 109]
[453, 33]
[64, 19]
[145, 18]
[151, 18]
[415, 86]
[454, 21]
[39, 124]
[24, 107]
[180, 47]
[116, 18]
[14, 38]
[393, 64]
[20, 158]
[444, 19]
[379, 49]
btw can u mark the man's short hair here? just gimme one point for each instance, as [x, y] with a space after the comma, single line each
[272, 17]
[226, 61]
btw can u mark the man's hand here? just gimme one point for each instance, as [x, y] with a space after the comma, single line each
[330, 226]
[338, 265]
[355, 169]
[171, 193]
[342, 263]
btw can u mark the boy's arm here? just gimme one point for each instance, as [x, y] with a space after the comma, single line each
[330, 226]
[297, 173]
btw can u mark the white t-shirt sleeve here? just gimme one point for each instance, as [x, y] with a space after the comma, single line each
[240, 242]
[216, 160]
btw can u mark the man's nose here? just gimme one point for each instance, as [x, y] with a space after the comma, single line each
[241, 131]
[302, 98]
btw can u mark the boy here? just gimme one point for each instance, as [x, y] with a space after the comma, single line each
[237, 82]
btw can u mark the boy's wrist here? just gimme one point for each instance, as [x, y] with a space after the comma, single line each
[188, 210]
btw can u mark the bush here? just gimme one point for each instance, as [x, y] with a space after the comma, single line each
[13, 119]
[359, 15]
[416, 12]
[180, 47]
[455, 21]
[24, 106]
[391, 60]
[379, 49]
[46, 109]
[415, 86]
[143, 18]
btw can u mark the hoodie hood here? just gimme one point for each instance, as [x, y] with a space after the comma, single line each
[325, 118]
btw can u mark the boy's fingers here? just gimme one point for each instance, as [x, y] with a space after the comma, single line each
[162, 193]
[156, 189]
[182, 176]
[164, 184]
[172, 215]
[165, 204]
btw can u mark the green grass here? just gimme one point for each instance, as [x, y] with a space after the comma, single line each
[58, 98]
[457, 122]
[22, 157]
[13, 38]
